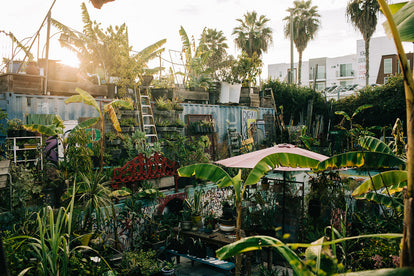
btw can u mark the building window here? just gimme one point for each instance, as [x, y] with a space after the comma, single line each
[321, 72]
[398, 65]
[388, 66]
[319, 86]
[345, 70]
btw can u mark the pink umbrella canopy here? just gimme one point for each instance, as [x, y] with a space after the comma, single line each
[249, 160]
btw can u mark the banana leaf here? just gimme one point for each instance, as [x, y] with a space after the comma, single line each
[279, 159]
[374, 144]
[343, 113]
[208, 172]
[368, 160]
[112, 114]
[257, 243]
[83, 97]
[321, 253]
[378, 181]
[396, 187]
[361, 108]
[403, 14]
[386, 200]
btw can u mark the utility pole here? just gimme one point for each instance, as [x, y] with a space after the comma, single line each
[291, 47]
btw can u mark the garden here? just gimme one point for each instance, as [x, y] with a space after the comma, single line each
[93, 200]
[65, 214]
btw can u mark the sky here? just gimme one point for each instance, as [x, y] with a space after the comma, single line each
[151, 21]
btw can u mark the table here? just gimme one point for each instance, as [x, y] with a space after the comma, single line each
[216, 238]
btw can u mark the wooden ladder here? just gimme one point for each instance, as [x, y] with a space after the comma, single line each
[146, 121]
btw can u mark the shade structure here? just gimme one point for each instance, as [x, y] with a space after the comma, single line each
[249, 160]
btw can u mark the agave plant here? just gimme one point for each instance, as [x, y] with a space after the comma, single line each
[53, 243]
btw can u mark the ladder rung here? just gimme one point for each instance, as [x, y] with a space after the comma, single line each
[151, 135]
[146, 106]
[149, 125]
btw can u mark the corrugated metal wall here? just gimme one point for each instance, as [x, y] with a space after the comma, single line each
[19, 105]
[225, 116]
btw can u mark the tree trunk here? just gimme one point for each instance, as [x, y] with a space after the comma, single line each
[367, 61]
[300, 69]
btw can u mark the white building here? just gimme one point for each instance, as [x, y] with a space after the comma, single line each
[338, 71]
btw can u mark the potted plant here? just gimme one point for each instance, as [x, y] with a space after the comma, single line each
[195, 205]
[165, 125]
[113, 138]
[207, 126]
[227, 218]
[186, 222]
[168, 268]
[15, 128]
[176, 104]
[163, 104]
[209, 222]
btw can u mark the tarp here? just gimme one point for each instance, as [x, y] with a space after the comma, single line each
[249, 160]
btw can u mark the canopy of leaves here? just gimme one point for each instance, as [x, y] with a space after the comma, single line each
[294, 100]
[107, 52]
[388, 104]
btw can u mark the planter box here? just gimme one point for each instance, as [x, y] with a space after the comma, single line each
[128, 112]
[129, 129]
[166, 128]
[164, 113]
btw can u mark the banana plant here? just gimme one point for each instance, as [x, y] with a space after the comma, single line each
[219, 176]
[318, 251]
[400, 25]
[390, 182]
[86, 98]
[355, 130]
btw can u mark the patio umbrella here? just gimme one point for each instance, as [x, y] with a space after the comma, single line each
[249, 160]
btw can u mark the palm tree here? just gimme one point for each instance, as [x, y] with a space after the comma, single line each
[213, 43]
[252, 36]
[363, 15]
[305, 23]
